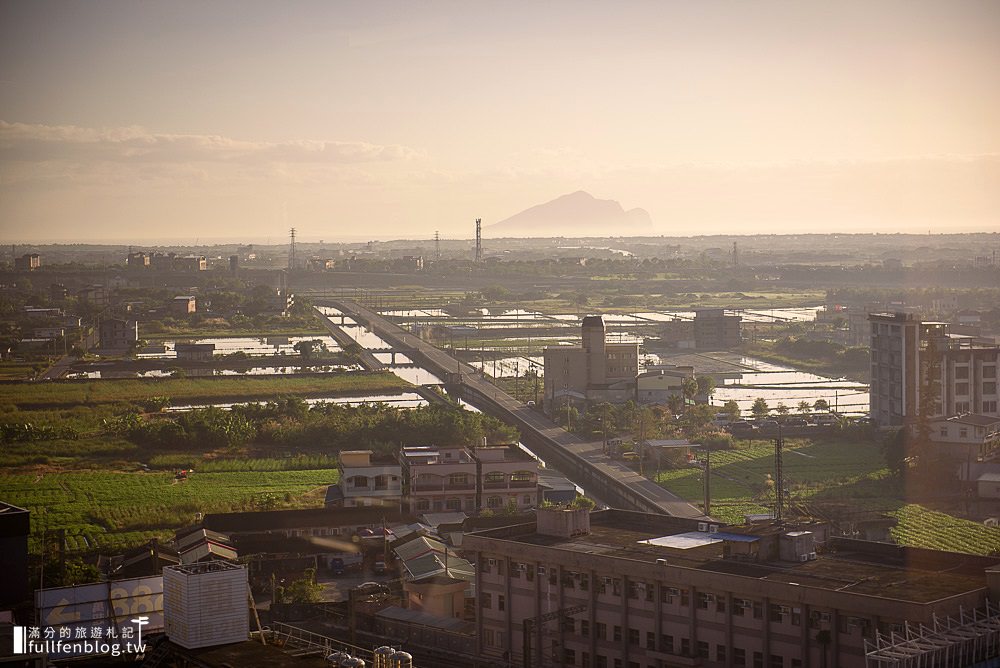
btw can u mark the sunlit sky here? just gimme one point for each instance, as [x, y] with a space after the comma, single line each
[236, 120]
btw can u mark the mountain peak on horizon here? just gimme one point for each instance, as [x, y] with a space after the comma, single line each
[576, 214]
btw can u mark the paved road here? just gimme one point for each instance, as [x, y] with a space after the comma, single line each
[527, 418]
[367, 359]
[59, 369]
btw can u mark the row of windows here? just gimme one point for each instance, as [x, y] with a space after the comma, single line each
[569, 657]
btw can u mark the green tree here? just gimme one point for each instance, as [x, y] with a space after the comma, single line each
[310, 348]
[759, 409]
[821, 405]
[731, 409]
[804, 407]
[782, 411]
[706, 385]
[305, 589]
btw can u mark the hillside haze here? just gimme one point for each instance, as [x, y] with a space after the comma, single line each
[578, 214]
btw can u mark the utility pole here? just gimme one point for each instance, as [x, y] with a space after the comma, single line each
[479, 240]
[708, 473]
[779, 485]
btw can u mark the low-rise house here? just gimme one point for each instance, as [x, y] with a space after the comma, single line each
[657, 386]
[366, 480]
[183, 305]
[508, 477]
[117, 334]
[967, 437]
[195, 352]
[437, 479]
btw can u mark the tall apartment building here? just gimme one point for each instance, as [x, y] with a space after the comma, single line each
[594, 371]
[28, 262]
[618, 589]
[910, 357]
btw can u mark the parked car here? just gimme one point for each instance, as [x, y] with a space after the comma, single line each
[797, 422]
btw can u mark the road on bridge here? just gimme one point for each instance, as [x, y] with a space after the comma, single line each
[527, 419]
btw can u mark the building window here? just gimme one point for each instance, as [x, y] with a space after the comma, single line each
[963, 432]
[494, 502]
[962, 389]
[961, 372]
[650, 640]
[633, 636]
[423, 504]
[458, 479]
[486, 600]
[989, 371]
[720, 653]
[601, 630]
[527, 500]
[758, 660]
[360, 481]
[989, 407]
[520, 476]
[585, 628]
[585, 659]
[702, 649]
[739, 656]
[666, 643]
[569, 657]
[495, 477]
[777, 661]
[944, 432]
[961, 406]
[601, 661]
[618, 634]
[453, 504]
[686, 646]
[990, 387]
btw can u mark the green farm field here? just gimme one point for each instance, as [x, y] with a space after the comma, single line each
[25, 396]
[837, 479]
[112, 511]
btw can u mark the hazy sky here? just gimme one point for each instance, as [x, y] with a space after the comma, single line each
[139, 120]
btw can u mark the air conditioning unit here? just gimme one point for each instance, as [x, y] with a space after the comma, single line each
[491, 562]
[713, 528]
[803, 557]
[784, 609]
[708, 598]
[541, 570]
[607, 581]
[661, 562]
[812, 556]
[824, 616]
[702, 526]
[673, 591]
[522, 567]
[745, 604]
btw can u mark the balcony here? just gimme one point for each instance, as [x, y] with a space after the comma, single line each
[439, 487]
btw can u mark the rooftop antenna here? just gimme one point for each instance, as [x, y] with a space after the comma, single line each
[479, 240]
[291, 249]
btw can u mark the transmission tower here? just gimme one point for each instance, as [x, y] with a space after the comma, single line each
[291, 249]
[479, 240]
[437, 245]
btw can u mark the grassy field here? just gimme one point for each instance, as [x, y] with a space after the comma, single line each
[88, 393]
[838, 480]
[921, 527]
[112, 511]
[741, 478]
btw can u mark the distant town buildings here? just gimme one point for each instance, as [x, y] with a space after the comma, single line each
[28, 262]
[195, 352]
[366, 480]
[658, 385]
[594, 371]
[911, 357]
